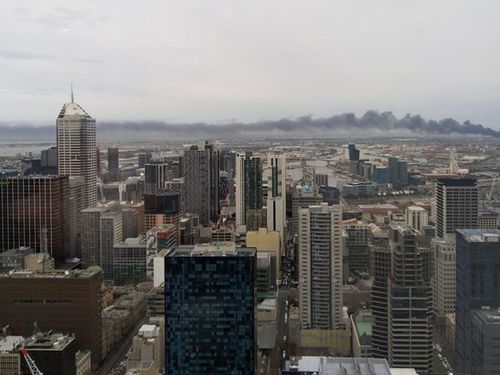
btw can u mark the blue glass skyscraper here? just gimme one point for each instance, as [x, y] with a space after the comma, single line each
[210, 310]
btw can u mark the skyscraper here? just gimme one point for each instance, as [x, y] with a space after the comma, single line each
[410, 309]
[457, 205]
[76, 147]
[353, 152]
[201, 179]
[478, 277]
[113, 159]
[156, 172]
[276, 195]
[303, 197]
[210, 310]
[34, 207]
[321, 246]
[248, 187]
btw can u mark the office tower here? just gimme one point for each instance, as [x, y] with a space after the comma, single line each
[321, 179]
[32, 208]
[162, 209]
[210, 310]
[143, 158]
[457, 203]
[177, 185]
[485, 334]
[329, 194]
[76, 147]
[129, 261]
[303, 197]
[478, 274]
[321, 246]
[63, 301]
[130, 222]
[276, 195]
[308, 176]
[113, 159]
[444, 278]
[201, 179]
[76, 205]
[101, 229]
[397, 172]
[416, 217]
[156, 172]
[49, 161]
[353, 152]
[410, 309]
[381, 269]
[158, 238]
[357, 246]
[248, 187]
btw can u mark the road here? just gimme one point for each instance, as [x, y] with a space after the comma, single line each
[110, 365]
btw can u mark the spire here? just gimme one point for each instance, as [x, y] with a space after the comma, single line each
[72, 96]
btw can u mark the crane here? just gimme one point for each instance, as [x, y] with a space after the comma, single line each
[31, 364]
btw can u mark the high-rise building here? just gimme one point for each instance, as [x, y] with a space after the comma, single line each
[303, 197]
[34, 212]
[156, 172]
[416, 217]
[101, 229]
[444, 278]
[210, 310]
[321, 245]
[113, 159]
[248, 187]
[201, 178]
[49, 161]
[357, 246]
[76, 147]
[143, 158]
[353, 152]
[163, 209]
[381, 269]
[129, 261]
[276, 196]
[397, 172]
[158, 238]
[485, 334]
[64, 301]
[330, 194]
[478, 276]
[456, 205]
[321, 179]
[410, 308]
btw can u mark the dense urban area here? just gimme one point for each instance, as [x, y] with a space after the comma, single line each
[370, 256]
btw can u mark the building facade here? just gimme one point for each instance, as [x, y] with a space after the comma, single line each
[76, 147]
[209, 310]
[321, 245]
[34, 212]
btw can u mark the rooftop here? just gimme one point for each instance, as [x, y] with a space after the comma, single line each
[9, 343]
[221, 249]
[73, 109]
[480, 235]
[338, 366]
[488, 315]
[53, 274]
[48, 341]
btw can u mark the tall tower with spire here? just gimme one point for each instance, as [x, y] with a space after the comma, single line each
[76, 147]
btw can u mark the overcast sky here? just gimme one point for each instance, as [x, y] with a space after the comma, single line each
[247, 60]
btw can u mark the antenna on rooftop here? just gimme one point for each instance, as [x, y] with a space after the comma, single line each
[72, 96]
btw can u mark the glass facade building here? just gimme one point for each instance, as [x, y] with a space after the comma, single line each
[210, 310]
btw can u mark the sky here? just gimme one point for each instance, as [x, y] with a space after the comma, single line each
[221, 61]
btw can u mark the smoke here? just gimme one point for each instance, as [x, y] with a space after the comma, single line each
[348, 124]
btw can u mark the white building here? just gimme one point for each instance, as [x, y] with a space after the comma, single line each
[444, 279]
[321, 246]
[76, 147]
[416, 217]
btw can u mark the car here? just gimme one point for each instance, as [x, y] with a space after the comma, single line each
[284, 338]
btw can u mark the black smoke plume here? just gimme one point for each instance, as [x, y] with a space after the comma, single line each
[372, 123]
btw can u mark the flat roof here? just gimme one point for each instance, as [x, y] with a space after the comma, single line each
[211, 250]
[53, 274]
[480, 235]
[9, 343]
